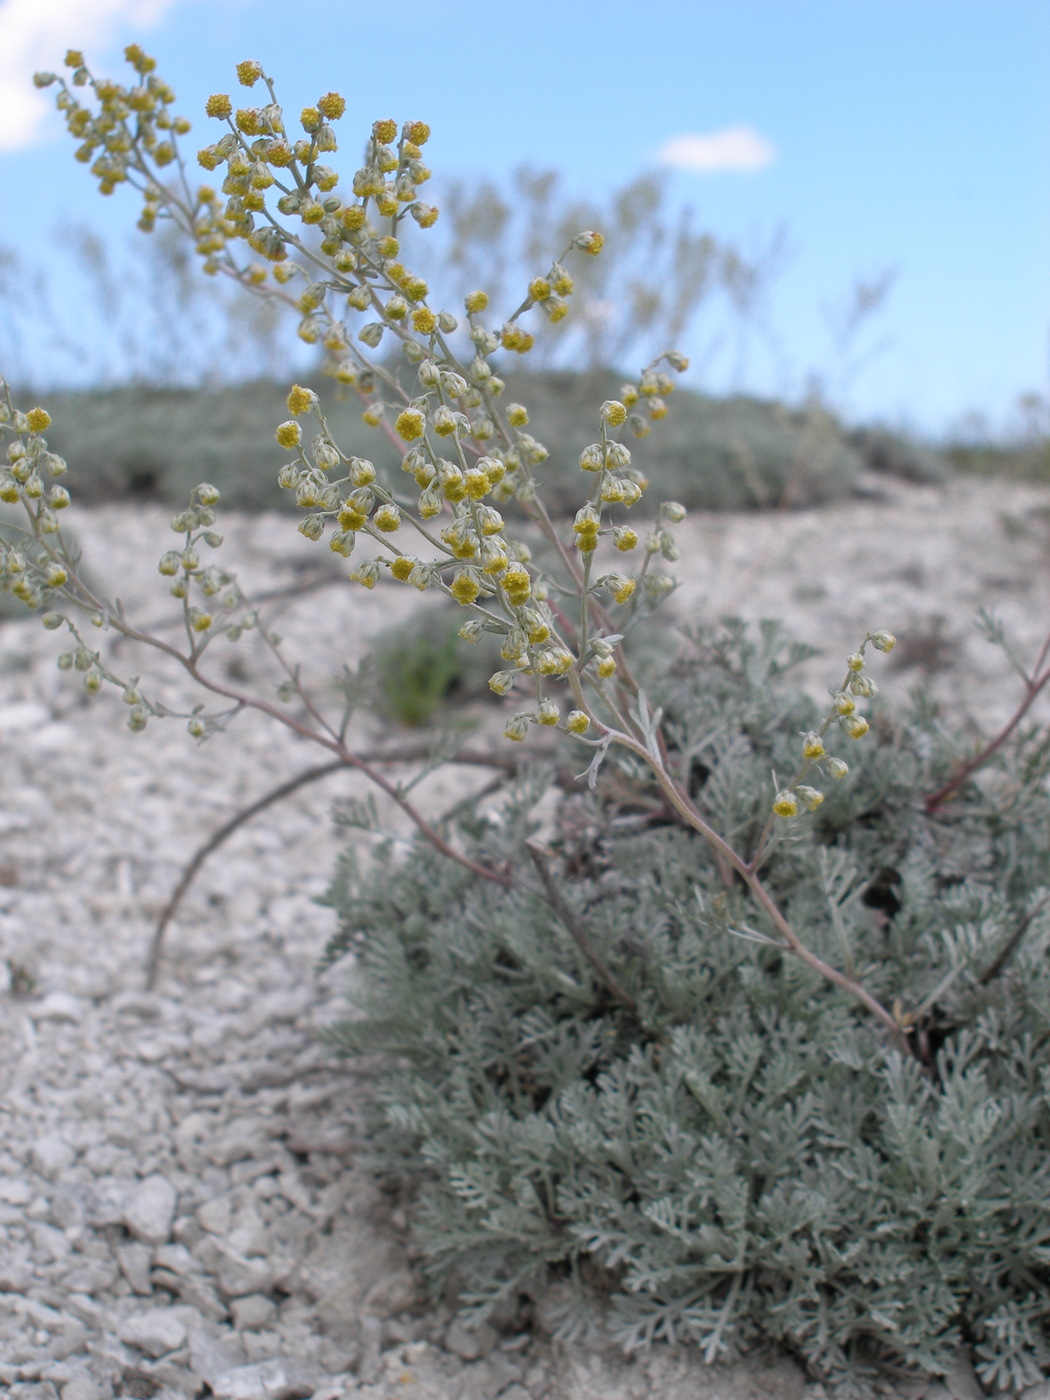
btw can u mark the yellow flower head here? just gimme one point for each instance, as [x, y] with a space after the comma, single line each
[423, 320]
[516, 584]
[409, 424]
[402, 567]
[577, 722]
[512, 337]
[625, 538]
[301, 400]
[476, 301]
[249, 72]
[539, 289]
[332, 106]
[613, 412]
[38, 419]
[140, 61]
[385, 131]
[387, 518]
[591, 242]
[465, 588]
[218, 105]
[416, 132]
[289, 434]
[785, 804]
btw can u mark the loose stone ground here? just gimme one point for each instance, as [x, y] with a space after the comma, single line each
[184, 1209]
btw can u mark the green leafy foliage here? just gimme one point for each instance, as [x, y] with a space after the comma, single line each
[731, 1149]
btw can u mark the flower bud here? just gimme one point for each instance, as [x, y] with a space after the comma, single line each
[502, 681]
[864, 686]
[882, 641]
[812, 746]
[785, 804]
[613, 412]
[517, 727]
[366, 574]
[811, 796]
[577, 722]
[471, 631]
[837, 768]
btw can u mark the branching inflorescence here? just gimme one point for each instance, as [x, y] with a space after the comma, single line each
[280, 228]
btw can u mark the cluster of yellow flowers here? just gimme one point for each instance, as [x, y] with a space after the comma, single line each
[465, 451]
[32, 571]
[843, 712]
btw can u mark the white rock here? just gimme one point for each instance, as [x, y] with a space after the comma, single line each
[15, 1191]
[253, 1312]
[59, 1006]
[150, 1209]
[156, 1332]
[239, 1276]
[135, 1260]
[81, 1388]
[52, 1155]
[266, 1380]
[215, 1215]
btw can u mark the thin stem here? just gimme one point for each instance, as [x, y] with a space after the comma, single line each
[1034, 683]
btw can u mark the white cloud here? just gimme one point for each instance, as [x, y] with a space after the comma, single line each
[732, 148]
[35, 34]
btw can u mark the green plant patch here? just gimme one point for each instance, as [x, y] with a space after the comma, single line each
[712, 1142]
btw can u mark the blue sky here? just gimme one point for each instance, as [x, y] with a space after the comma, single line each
[882, 134]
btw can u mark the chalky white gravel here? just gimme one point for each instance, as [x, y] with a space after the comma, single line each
[183, 1208]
